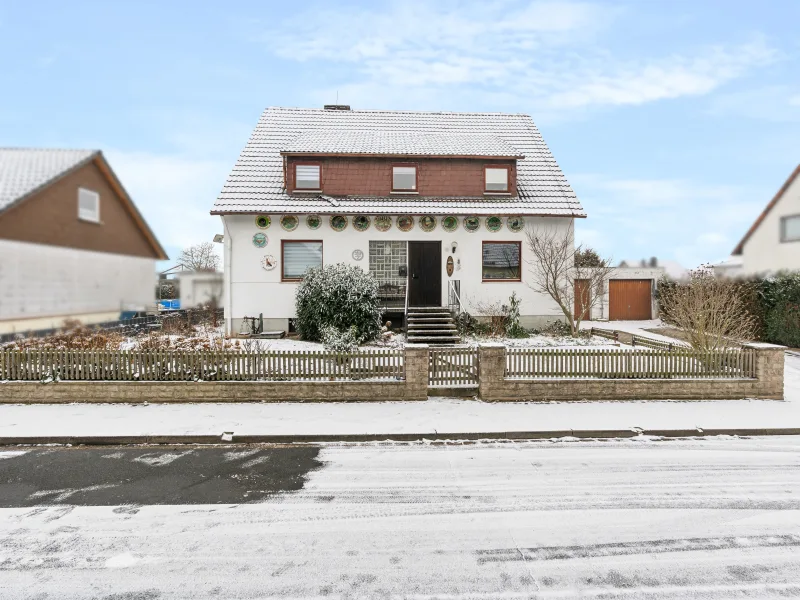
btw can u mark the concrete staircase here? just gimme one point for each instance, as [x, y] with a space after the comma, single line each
[431, 325]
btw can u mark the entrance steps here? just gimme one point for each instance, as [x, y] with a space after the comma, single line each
[431, 325]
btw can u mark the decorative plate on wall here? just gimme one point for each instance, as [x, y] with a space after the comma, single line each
[450, 266]
[516, 223]
[361, 222]
[427, 223]
[383, 223]
[263, 221]
[494, 224]
[260, 240]
[269, 262]
[472, 223]
[338, 222]
[358, 254]
[450, 223]
[313, 221]
[405, 223]
[289, 222]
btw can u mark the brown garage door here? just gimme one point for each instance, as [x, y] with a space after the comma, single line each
[629, 299]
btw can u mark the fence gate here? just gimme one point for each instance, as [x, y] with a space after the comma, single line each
[453, 367]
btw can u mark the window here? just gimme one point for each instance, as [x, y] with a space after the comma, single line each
[790, 229]
[88, 205]
[307, 177]
[496, 179]
[501, 261]
[404, 178]
[298, 257]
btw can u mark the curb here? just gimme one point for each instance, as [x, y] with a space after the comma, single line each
[124, 440]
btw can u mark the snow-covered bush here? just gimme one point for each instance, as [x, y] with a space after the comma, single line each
[336, 340]
[341, 296]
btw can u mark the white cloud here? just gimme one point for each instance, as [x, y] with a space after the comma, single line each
[545, 53]
[776, 103]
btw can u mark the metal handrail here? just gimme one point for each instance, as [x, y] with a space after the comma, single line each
[405, 314]
[451, 285]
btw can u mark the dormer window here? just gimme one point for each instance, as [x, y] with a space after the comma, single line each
[88, 205]
[404, 178]
[307, 177]
[496, 179]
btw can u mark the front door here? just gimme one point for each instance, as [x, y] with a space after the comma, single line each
[424, 273]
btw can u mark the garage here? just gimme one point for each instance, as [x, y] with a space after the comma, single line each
[630, 299]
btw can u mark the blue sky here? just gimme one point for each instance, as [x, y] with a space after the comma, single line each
[675, 121]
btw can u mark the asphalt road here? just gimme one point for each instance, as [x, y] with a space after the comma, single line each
[710, 518]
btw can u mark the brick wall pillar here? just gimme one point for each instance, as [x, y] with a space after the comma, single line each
[769, 369]
[416, 357]
[492, 370]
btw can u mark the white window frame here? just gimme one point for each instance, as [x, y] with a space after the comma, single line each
[507, 188]
[411, 190]
[784, 226]
[92, 216]
[316, 188]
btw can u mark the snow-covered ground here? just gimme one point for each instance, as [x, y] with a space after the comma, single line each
[442, 415]
[711, 519]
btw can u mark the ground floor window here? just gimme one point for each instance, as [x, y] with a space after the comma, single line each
[388, 263]
[298, 257]
[501, 261]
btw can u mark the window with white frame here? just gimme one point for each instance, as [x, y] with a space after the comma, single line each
[88, 205]
[307, 177]
[299, 257]
[404, 178]
[790, 228]
[496, 179]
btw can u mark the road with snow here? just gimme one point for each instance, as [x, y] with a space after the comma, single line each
[704, 518]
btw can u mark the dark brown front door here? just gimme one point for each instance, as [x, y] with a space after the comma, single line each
[629, 299]
[583, 298]
[424, 273]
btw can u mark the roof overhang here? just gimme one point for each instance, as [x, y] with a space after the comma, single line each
[404, 156]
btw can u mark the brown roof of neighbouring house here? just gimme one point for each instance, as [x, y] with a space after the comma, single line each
[740, 247]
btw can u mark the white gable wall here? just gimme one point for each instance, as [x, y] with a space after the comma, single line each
[764, 252]
[250, 290]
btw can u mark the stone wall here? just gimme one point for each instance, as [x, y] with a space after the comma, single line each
[493, 386]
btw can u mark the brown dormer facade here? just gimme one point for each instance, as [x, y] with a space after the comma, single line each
[374, 176]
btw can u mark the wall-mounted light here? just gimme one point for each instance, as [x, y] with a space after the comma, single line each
[454, 245]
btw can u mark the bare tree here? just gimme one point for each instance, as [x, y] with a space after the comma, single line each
[200, 257]
[711, 311]
[574, 276]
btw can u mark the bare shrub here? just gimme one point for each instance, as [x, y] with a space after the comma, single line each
[74, 337]
[710, 311]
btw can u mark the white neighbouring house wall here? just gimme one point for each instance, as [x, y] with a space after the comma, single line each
[251, 290]
[201, 288]
[38, 280]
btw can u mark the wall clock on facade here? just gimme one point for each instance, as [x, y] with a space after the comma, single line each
[383, 223]
[361, 223]
[450, 223]
[450, 266]
[338, 222]
[405, 223]
[313, 221]
[260, 240]
[269, 262]
[358, 254]
[494, 224]
[263, 221]
[516, 223]
[472, 223]
[289, 222]
[427, 223]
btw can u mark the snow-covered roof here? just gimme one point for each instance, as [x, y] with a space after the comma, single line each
[256, 182]
[399, 143]
[25, 170]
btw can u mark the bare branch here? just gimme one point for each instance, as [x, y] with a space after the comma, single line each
[200, 257]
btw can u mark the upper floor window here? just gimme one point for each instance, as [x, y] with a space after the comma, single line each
[88, 205]
[790, 229]
[307, 177]
[496, 179]
[404, 178]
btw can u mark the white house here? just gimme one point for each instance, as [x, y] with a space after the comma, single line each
[72, 243]
[201, 288]
[772, 243]
[434, 204]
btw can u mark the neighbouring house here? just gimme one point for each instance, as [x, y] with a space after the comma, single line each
[72, 242]
[433, 204]
[201, 288]
[772, 243]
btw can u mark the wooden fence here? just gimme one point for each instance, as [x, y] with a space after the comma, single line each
[605, 333]
[453, 367]
[597, 363]
[188, 365]
[638, 340]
